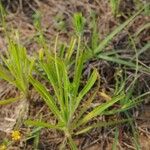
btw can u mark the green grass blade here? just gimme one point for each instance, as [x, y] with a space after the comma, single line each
[5, 74]
[114, 146]
[86, 106]
[145, 48]
[78, 22]
[88, 85]
[100, 109]
[47, 97]
[66, 91]
[31, 65]
[122, 62]
[128, 105]
[36, 140]
[9, 101]
[105, 42]
[147, 25]
[116, 60]
[86, 88]
[95, 34]
[70, 50]
[78, 69]
[9, 64]
[101, 124]
[57, 74]
[41, 124]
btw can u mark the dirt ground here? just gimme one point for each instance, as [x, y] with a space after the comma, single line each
[56, 17]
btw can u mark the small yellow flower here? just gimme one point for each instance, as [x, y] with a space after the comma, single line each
[3, 147]
[16, 135]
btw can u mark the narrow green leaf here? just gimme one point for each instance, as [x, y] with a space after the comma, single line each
[123, 62]
[86, 106]
[9, 101]
[78, 22]
[70, 50]
[105, 42]
[47, 97]
[86, 88]
[144, 26]
[4, 74]
[88, 85]
[145, 48]
[100, 109]
[78, 69]
[101, 124]
[114, 146]
[41, 124]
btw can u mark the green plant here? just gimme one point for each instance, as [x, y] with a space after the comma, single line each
[16, 67]
[99, 52]
[126, 105]
[68, 94]
[78, 23]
